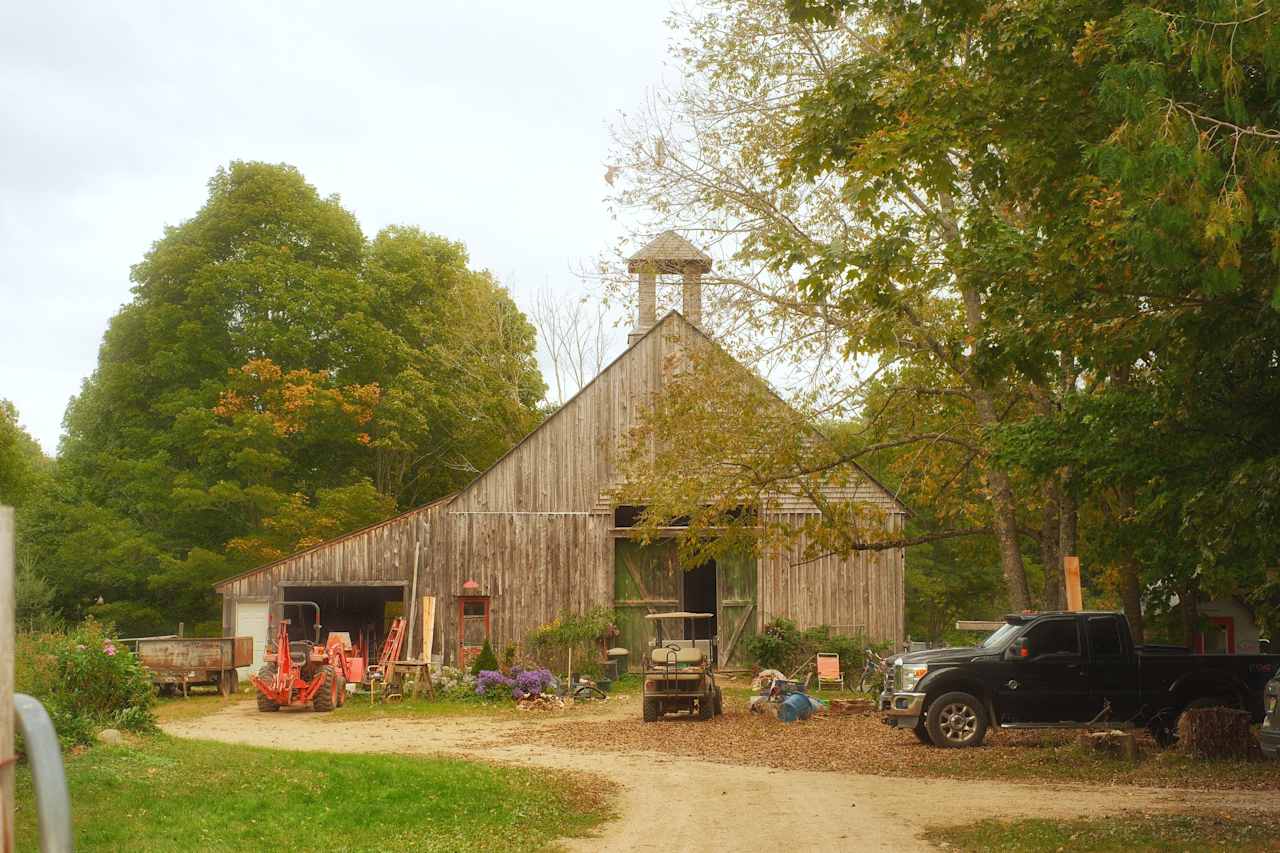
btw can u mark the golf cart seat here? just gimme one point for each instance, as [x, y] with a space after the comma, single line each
[663, 656]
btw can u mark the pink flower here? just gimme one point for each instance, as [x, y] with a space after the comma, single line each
[109, 648]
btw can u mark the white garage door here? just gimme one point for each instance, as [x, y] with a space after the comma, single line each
[251, 621]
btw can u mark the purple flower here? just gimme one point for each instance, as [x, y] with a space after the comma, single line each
[530, 683]
[490, 679]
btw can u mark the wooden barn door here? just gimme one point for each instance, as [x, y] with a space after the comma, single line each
[736, 591]
[645, 580]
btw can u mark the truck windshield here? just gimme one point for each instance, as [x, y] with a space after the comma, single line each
[1000, 636]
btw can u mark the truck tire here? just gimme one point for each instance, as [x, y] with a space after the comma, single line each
[1166, 735]
[651, 710]
[267, 673]
[327, 696]
[956, 720]
[922, 733]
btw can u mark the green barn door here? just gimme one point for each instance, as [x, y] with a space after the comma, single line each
[645, 580]
[736, 592]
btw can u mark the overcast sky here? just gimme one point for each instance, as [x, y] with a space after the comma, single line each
[486, 122]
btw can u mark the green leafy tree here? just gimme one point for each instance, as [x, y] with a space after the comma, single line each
[277, 379]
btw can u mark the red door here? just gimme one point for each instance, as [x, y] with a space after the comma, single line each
[473, 627]
[1219, 637]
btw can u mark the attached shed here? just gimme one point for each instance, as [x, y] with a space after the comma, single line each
[537, 534]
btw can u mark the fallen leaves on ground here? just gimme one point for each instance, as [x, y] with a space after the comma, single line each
[862, 744]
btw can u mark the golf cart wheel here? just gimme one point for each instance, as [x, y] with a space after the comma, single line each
[719, 702]
[327, 697]
[707, 707]
[268, 674]
[651, 712]
[956, 720]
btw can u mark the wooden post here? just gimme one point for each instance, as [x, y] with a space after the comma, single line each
[1071, 570]
[6, 671]
[411, 604]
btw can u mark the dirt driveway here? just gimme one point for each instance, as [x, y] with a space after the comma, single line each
[670, 803]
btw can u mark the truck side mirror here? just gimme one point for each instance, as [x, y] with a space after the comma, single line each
[1019, 649]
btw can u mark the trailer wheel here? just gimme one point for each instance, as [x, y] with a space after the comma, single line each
[267, 673]
[228, 682]
[327, 697]
[651, 710]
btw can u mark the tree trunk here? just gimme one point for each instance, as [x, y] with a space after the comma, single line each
[1004, 517]
[1050, 547]
[1130, 571]
[1189, 598]
[1068, 528]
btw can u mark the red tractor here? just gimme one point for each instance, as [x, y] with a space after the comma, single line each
[299, 672]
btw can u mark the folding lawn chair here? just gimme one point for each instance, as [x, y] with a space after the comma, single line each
[828, 666]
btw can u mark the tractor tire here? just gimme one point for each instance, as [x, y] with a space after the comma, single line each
[956, 720]
[342, 690]
[651, 712]
[267, 673]
[327, 696]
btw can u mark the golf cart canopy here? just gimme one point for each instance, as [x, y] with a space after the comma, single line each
[680, 614]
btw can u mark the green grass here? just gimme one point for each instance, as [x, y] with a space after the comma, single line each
[1127, 833]
[164, 794]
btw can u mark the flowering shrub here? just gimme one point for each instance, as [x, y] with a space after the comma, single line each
[85, 681]
[531, 683]
[454, 683]
[521, 684]
[492, 684]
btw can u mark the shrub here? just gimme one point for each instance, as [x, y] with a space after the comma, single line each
[486, 660]
[784, 647]
[454, 683]
[586, 634]
[492, 684]
[85, 681]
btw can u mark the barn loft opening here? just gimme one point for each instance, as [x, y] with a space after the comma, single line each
[699, 595]
[362, 611]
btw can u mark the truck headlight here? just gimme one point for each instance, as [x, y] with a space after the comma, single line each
[909, 675]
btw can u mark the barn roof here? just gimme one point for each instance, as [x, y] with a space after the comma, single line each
[335, 540]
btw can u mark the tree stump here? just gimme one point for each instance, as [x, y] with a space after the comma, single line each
[1115, 743]
[1217, 733]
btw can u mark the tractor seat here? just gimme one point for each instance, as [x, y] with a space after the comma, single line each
[665, 656]
[299, 651]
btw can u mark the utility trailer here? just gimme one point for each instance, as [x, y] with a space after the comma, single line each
[176, 663]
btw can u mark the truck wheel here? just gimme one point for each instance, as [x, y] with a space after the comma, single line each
[956, 720]
[651, 710]
[922, 733]
[1166, 734]
[267, 673]
[327, 696]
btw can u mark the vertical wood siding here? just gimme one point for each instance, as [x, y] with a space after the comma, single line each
[534, 530]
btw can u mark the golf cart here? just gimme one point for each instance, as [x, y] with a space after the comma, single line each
[680, 674]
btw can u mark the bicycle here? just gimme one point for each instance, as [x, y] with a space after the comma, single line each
[875, 673]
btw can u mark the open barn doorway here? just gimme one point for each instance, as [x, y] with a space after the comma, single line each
[364, 612]
[698, 595]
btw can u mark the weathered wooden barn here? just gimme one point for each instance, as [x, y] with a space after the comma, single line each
[536, 534]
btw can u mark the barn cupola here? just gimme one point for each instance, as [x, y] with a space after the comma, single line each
[667, 254]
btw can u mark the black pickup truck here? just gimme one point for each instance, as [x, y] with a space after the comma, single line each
[1051, 670]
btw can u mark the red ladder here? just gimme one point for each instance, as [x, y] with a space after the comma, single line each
[391, 648]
